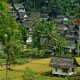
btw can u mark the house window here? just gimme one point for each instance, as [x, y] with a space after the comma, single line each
[65, 70]
[72, 69]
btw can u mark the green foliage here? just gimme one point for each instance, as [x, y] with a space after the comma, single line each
[20, 61]
[10, 34]
[11, 75]
[4, 9]
[25, 32]
[53, 7]
[38, 53]
[29, 74]
[2, 56]
[66, 78]
[48, 30]
[2, 61]
[35, 52]
[28, 52]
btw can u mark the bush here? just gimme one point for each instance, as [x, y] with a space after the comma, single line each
[26, 53]
[2, 56]
[20, 61]
[29, 74]
[67, 78]
[38, 53]
[2, 61]
[35, 52]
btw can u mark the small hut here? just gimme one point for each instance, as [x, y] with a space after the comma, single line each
[64, 66]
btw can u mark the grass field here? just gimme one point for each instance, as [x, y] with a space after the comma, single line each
[10, 74]
[41, 66]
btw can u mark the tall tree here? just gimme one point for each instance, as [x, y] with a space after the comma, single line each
[10, 34]
[48, 29]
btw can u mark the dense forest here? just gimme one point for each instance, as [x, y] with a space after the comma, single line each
[54, 7]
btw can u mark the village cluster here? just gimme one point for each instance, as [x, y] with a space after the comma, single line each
[68, 28]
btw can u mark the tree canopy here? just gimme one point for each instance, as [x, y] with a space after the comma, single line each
[48, 31]
[10, 34]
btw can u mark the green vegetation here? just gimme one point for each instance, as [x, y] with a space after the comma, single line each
[38, 68]
[2, 61]
[33, 68]
[10, 32]
[11, 74]
[47, 30]
[29, 74]
[53, 7]
[31, 63]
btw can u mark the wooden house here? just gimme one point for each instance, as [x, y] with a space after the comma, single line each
[70, 31]
[64, 66]
[18, 6]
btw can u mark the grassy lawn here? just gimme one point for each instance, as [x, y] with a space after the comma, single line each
[41, 66]
[11, 74]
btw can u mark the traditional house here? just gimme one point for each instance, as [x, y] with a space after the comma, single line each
[18, 6]
[69, 30]
[64, 66]
[43, 16]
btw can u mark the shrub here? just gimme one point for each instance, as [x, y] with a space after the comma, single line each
[26, 53]
[29, 74]
[2, 56]
[2, 61]
[20, 61]
[66, 78]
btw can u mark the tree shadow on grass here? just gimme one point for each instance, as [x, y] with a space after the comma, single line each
[47, 73]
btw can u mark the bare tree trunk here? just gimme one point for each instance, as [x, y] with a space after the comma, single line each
[6, 69]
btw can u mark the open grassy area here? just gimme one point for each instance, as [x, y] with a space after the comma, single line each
[11, 74]
[41, 66]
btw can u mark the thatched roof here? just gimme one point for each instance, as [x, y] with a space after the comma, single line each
[63, 62]
[18, 6]
[76, 21]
